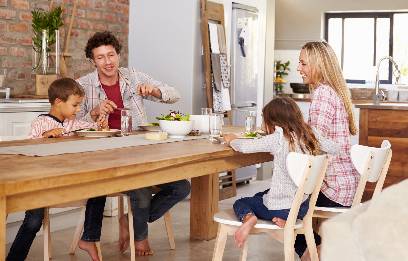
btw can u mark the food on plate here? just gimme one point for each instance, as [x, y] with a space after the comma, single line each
[91, 129]
[158, 135]
[174, 116]
[251, 134]
[194, 133]
[153, 124]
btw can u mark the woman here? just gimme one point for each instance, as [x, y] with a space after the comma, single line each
[331, 114]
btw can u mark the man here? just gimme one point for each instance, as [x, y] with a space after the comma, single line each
[107, 89]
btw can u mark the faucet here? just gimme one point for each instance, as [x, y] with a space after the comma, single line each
[379, 95]
[7, 92]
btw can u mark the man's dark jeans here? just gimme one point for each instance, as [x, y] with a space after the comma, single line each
[145, 208]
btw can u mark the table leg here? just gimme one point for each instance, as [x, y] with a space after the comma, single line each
[203, 206]
[3, 216]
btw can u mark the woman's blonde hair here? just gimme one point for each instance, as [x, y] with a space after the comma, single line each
[325, 69]
[284, 112]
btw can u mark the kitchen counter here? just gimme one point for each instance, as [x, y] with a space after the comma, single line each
[23, 105]
[383, 105]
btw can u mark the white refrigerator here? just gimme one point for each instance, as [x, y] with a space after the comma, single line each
[244, 70]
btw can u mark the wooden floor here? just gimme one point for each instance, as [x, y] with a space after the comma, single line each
[261, 247]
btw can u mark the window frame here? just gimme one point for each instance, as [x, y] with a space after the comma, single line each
[375, 15]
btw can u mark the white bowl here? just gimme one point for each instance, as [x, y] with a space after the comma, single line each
[176, 129]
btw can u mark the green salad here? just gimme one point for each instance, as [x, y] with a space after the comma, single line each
[153, 124]
[250, 134]
[174, 116]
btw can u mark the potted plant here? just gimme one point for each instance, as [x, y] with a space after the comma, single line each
[281, 69]
[176, 124]
[45, 25]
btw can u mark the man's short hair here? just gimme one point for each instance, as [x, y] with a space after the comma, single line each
[100, 39]
[63, 88]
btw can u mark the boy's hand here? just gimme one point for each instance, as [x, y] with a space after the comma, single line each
[148, 90]
[54, 133]
[229, 137]
[103, 122]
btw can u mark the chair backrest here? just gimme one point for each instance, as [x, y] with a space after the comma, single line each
[372, 164]
[307, 172]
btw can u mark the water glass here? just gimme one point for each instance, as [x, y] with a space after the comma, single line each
[125, 122]
[250, 122]
[206, 111]
[216, 122]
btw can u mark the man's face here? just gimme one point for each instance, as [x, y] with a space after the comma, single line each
[106, 60]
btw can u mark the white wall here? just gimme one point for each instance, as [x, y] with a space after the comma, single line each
[165, 42]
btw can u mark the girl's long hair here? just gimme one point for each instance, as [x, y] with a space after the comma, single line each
[285, 113]
[325, 69]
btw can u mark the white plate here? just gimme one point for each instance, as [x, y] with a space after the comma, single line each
[149, 128]
[107, 133]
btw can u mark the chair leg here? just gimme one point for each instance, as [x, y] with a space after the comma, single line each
[78, 231]
[220, 242]
[310, 240]
[47, 235]
[169, 229]
[98, 248]
[131, 232]
[244, 251]
[288, 244]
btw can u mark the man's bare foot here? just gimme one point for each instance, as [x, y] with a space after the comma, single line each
[243, 231]
[123, 233]
[90, 248]
[143, 248]
[279, 222]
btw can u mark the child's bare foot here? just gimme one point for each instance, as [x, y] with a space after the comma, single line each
[143, 248]
[123, 233]
[279, 222]
[305, 256]
[90, 248]
[243, 231]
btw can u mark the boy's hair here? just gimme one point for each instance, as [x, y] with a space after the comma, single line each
[100, 39]
[285, 113]
[63, 88]
[325, 69]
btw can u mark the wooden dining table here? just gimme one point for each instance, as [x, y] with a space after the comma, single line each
[33, 182]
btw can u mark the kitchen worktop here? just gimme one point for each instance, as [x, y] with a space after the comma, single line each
[383, 105]
[23, 105]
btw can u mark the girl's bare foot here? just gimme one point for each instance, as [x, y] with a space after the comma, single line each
[143, 248]
[279, 222]
[243, 231]
[123, 233]
[90, 248]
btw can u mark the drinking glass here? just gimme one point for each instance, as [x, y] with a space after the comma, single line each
[206, 111]
[216, 122]
[125, 122]
[250, 122]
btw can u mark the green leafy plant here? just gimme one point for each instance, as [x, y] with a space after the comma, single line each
[174, 116]
[281, 69]
[45, 20]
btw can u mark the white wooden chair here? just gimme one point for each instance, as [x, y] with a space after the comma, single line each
[307, 172]
[372, 164]
[80, 227]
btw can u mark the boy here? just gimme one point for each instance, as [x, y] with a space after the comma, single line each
[65, 96]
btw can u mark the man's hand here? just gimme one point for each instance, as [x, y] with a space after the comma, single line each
[148, 90]
[229, 137]
[54, 133]
[104, 108]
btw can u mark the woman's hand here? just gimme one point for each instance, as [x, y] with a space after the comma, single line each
[148, 90]
[54, 133]
[104, 108]
[229, 137]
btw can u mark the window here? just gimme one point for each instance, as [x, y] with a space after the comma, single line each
[360, 40]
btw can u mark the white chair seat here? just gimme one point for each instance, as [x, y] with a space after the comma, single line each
[228, 217]
[336, 210]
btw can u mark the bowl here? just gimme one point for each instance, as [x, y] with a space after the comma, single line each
[299, 87]
[176, 129]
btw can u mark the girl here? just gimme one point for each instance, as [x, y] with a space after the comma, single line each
[286, 132]
[330, 113]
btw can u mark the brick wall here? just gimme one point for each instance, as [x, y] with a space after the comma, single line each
[16, 33]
